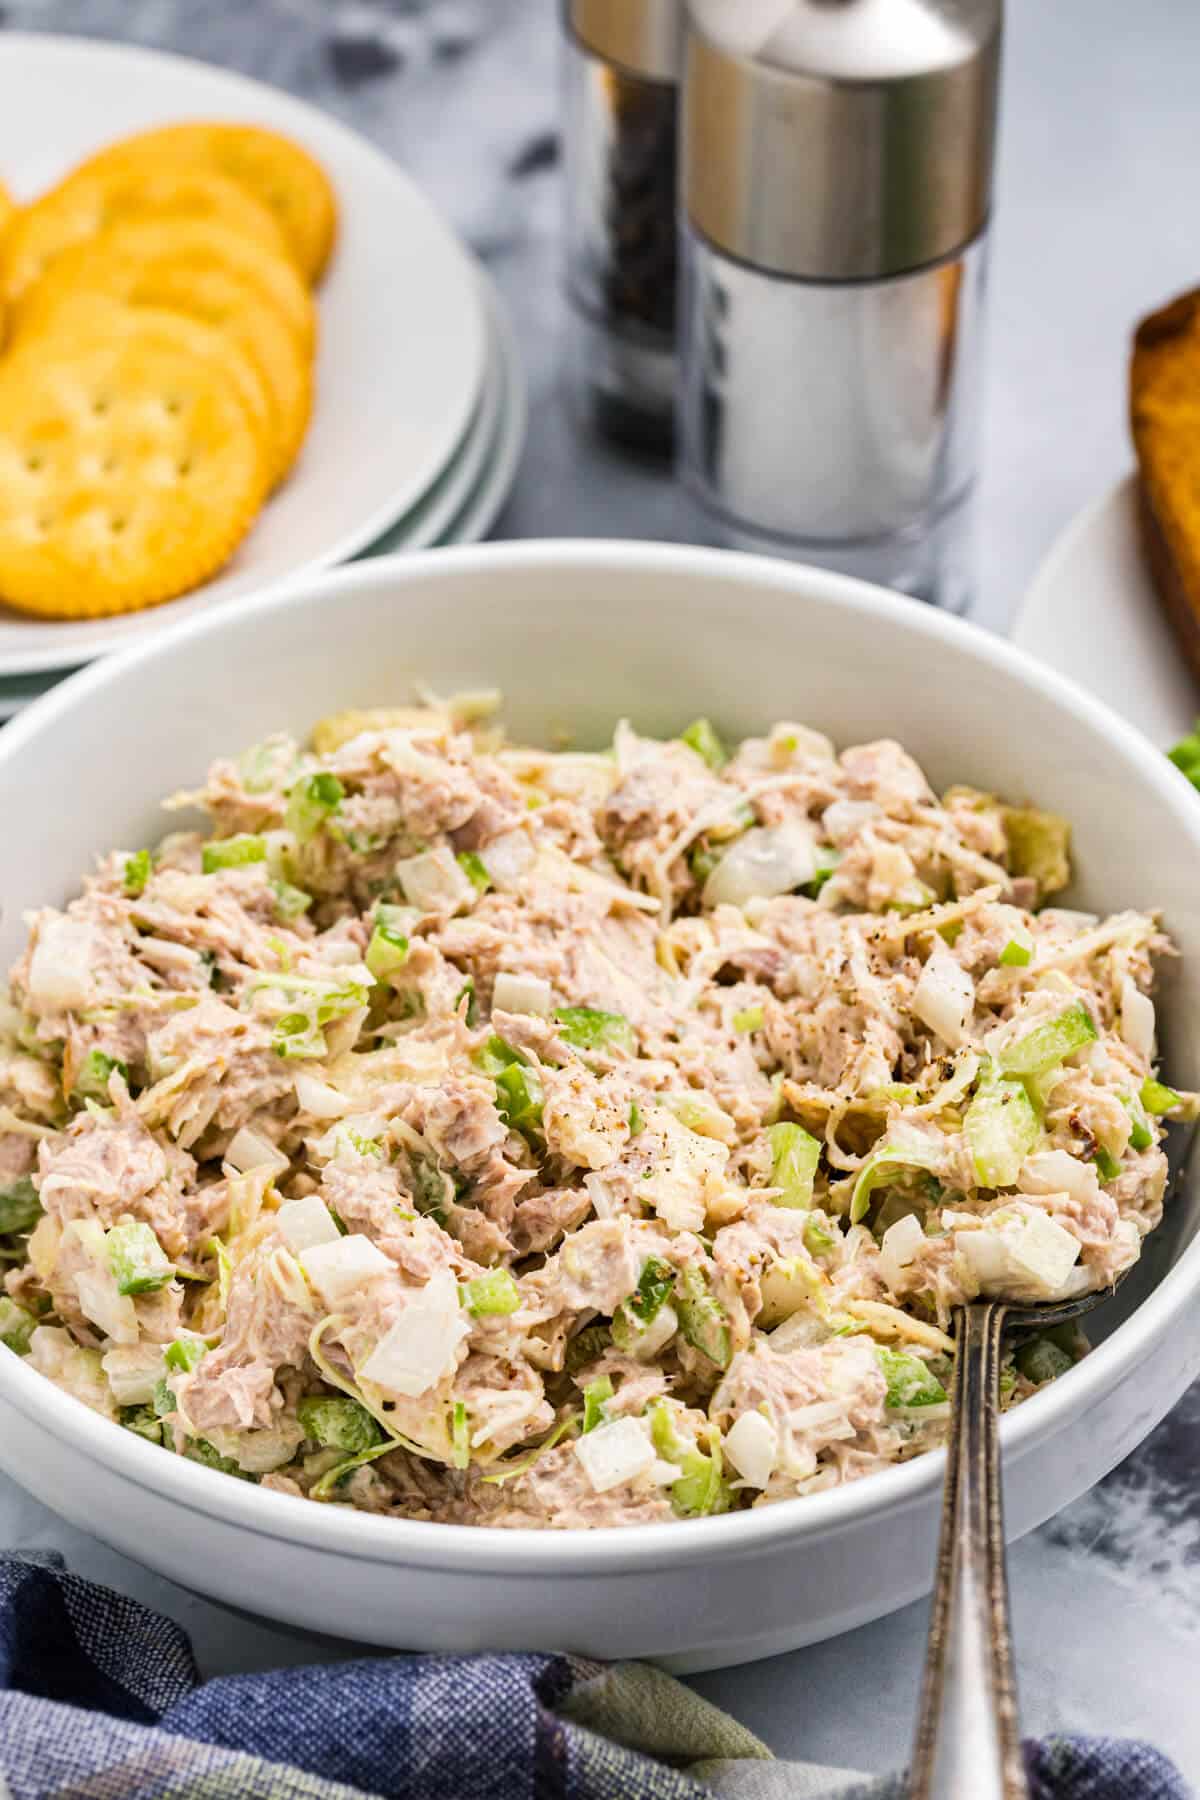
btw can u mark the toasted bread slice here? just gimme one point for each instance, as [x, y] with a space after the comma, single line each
[1164, 405]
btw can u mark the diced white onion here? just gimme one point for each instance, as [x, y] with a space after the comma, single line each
[821, 1415]
[1028, 1254]
[763, 862]
[133, 1372]
[249, 1149]
[844, 817]
[306, 1223]
[617, 1453]
[318, 1099]
[60, 969]
[507, 860]
[434, 881]
[1137, 1019]
[800, 1331]
[752, 1446]
[944, 998]
[339, 1270]
[522, 994]
[657, 1335]
[1057, 1172]
[100, 1302]
[899, 1247]
[421, 1348]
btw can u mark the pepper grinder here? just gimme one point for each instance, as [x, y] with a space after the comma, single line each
[621, 128]
[835, 184]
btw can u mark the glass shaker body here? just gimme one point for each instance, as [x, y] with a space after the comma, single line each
[835, 422]
[621, 240]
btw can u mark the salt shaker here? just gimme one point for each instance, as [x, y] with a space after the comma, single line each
[835, 184]
[621, 127]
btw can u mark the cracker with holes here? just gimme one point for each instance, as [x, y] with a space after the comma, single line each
[219, 298]
[130, 470]
[87, 203]
[88, 318]
[284, 177]
[109, 262]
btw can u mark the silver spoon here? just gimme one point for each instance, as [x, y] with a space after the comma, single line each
[968, 1745]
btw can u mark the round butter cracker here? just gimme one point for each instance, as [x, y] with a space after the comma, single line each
[129, 473]
[282, 175]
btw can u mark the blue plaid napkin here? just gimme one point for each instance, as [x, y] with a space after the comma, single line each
[100, 1697]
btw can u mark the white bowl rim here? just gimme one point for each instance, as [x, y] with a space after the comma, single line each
[625, 1549]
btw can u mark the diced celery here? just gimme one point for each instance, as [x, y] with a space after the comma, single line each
[795, 1154]
[290, 902]
[143, 1421]
[594, 1396]
[701, 1489]
[137, 873]
[635, 1118]
[1001, 1127]
[910, 1382]
[472, 866]
[887, 1158]
[749, 1019]
[816, 1239]
[493, 1294]
[311, 801]
[1141, 1136]
[1107, 1164]
[467, 992]
[1016, 955]
[16, 1325]
[233, 852]
[337, 1422]
[1042, 1360]
[1158, 1098]
[388, 948]
[703, 739]
[827, 861]
[91, 1083]
[460, 1436]
[184, 1354]
[137, 1259]
[20, 1208]
[494, 1056]
[519, 1098]
[587, 1028]
[701, 1318]
[1046, 1045]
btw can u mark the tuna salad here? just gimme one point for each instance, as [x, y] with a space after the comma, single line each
[478, 1133]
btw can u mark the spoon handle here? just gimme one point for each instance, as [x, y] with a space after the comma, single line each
[967, 1740]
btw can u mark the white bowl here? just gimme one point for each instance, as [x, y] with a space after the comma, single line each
[578, 634]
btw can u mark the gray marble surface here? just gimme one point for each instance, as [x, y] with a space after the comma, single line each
[1095, 223]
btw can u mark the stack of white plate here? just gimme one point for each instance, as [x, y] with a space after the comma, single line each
[420, 410]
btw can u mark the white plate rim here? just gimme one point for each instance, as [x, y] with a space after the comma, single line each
[1098, 554]
[485, 505]
[310, 123]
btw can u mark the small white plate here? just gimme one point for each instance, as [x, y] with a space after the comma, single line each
[1092, 613]
[403, 335]
[431, 520]
[462, 505]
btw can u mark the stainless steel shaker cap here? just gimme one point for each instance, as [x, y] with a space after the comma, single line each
[643, 36]
[839, 140]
